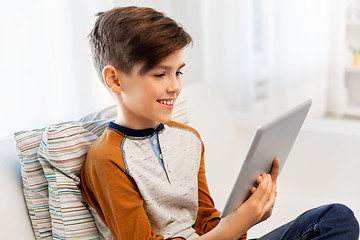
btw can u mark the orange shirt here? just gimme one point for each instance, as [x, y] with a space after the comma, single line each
[125, 204]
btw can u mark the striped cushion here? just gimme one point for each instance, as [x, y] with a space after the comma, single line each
[107, 113]
[34, 182]
[62, 150]
[51, 173]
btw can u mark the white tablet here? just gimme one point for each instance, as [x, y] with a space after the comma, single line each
[274, 139]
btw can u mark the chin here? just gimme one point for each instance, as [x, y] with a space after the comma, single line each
[165, 120]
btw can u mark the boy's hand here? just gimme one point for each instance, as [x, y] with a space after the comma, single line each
[263, 197]
[274, 173]
[254, 210]
[275, 170]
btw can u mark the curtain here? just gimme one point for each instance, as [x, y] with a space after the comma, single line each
[300, 54]
[269, 55]
[45, 63]
[262, 55]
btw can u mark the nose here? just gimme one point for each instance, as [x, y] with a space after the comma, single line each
[174, 85]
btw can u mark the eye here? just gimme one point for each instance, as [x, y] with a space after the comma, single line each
[179, 73]
[159, 75]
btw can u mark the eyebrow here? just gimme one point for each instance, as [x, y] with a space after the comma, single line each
[167, 67]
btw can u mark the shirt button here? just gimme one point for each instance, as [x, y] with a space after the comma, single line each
[160, 156]
[154, 142]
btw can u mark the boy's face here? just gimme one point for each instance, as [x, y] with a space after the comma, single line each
[148, 100]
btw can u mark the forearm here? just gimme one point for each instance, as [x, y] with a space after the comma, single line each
[233, 226]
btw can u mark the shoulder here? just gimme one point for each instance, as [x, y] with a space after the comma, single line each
[174, 124]
[106, 150]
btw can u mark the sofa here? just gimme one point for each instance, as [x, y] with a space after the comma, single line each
[322, 167]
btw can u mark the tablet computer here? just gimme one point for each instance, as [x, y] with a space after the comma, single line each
[274, 139]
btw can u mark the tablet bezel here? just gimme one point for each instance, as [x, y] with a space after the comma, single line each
[274, 139]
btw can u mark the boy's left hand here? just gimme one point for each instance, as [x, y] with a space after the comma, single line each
[274, 174]
[275, 170]
[257, 208]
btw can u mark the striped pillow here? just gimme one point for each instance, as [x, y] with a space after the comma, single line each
[48, 205]
[35, 185]
[62, 150]
[107, 113]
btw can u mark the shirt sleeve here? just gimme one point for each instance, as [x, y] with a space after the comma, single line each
[114, 195]
[208, 217]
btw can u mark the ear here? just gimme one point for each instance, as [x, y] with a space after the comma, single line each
[112, 78]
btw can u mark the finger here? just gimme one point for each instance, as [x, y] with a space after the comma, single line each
[270, 184]
[265, 196]
[271, 202]
[259, 179]
[275, 170]
[262, 192]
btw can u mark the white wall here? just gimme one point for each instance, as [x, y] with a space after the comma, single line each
[47, 73]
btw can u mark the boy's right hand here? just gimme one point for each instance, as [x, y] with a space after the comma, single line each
[257, 208]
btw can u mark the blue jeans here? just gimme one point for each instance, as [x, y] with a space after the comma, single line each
[330, 222]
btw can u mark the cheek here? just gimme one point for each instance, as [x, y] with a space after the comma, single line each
[155, 91]
[148, 97]
[151, 90]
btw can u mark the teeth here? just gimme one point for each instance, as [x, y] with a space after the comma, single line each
[170, 102]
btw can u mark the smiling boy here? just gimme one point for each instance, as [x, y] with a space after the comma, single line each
[146, 100]
[145, 175]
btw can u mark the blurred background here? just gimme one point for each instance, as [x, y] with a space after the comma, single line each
[263, 56]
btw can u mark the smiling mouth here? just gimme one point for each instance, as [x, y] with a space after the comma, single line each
[166, 102]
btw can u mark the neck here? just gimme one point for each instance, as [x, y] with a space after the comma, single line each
[131, 122]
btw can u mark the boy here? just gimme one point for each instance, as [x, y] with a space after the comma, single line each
[145, 175]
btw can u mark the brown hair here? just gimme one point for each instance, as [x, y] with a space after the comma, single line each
[123, 37]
